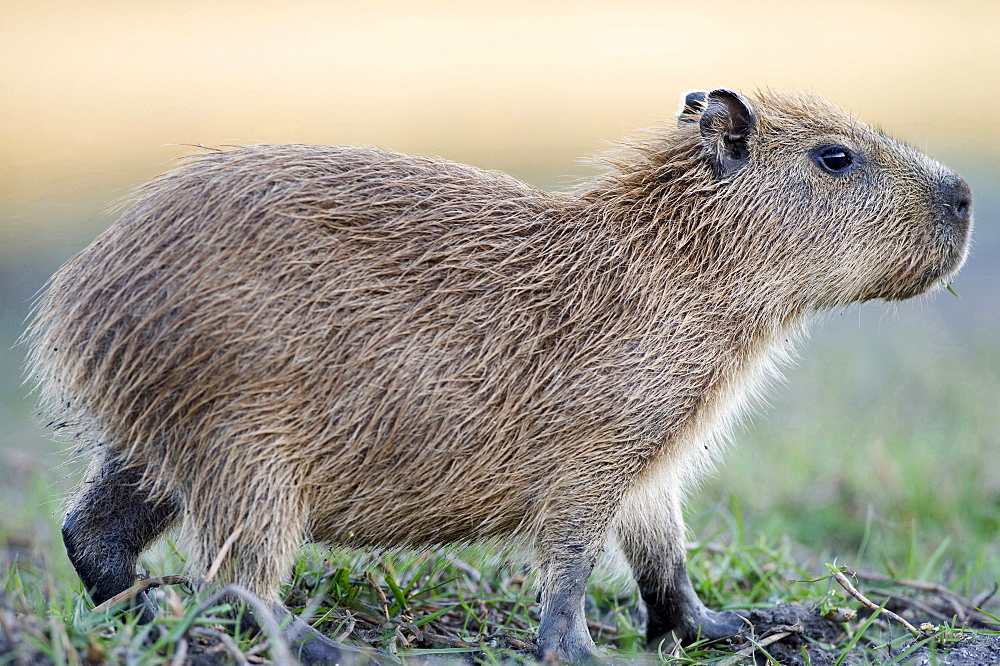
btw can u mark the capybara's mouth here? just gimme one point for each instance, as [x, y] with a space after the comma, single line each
[944, 254]
[952, 238]
[915, 279]
[904, 284]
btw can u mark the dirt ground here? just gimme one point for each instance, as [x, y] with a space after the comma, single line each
[797, 631]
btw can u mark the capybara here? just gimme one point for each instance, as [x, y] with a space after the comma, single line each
[346, 345]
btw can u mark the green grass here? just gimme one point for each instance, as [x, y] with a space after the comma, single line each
[457, 602]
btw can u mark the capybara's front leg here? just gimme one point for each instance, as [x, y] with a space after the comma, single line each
[651, 535]
[563, 635]
[111, 520]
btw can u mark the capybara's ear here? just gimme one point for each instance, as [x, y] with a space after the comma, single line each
[727, 123]
[691, 107]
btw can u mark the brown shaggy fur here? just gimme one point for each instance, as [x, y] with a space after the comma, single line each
[360, 347]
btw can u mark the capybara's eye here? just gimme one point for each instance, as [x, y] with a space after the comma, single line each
[835, 159]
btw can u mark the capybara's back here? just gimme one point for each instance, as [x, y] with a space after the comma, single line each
[279, 344]
[358, 324]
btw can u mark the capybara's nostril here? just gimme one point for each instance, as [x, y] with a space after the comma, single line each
[957, 199]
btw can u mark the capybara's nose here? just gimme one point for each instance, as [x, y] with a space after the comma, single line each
[956, 201]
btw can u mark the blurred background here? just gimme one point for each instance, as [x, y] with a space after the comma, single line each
[883, 445]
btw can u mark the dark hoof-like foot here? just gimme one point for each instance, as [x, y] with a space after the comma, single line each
[564, 657]
[571, 645]
[144, 607]
[706, 625]
[322, 650]
[311, 647]
[720, 624]
[561, 640]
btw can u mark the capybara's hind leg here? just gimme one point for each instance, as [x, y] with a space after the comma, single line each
[111, 520]
[307, 644]
[265, 525]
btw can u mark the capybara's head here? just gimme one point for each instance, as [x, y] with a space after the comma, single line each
[806, 196]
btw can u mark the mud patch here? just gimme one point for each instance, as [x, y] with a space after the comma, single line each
[790, 634]
[795, 635]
